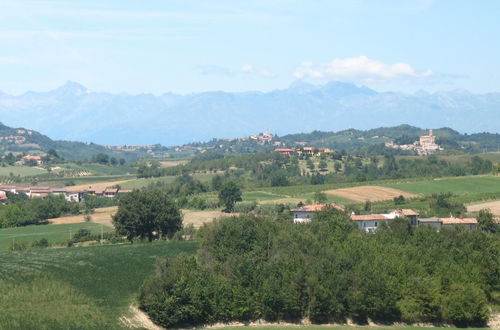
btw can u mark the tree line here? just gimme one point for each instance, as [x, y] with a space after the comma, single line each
[250, 268]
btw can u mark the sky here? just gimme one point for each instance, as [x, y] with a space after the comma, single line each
[193, 46]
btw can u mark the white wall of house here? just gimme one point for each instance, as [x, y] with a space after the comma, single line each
[299, 217]
[369, 225]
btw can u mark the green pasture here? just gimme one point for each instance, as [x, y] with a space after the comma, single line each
[458, 185]
[142, 182]
[77, 288]
[62, 182]
[21, 171]
[260, 196]
[99, 169]
[53, 233]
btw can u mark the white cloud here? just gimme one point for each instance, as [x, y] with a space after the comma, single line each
[361, 69]
[245, 69]
[250, 69]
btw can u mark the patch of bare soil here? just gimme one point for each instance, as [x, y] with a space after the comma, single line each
[138, 320]
[198, 218]
[97, 185]
[494, 207]
[101, 215]
[369, 193]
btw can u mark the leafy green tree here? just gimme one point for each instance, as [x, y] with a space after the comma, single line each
[147, 213]
[323, 165]
[399, 200]
[486, 222]
[320, 197]
[229, 194]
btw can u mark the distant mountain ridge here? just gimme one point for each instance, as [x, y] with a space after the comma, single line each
[72, 112]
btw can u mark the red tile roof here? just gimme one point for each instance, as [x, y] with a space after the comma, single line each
[369, 217]
[406, 212]
[459, 221]
[317, 207]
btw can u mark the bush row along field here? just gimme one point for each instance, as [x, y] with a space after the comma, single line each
[77, 288]
[53, 233]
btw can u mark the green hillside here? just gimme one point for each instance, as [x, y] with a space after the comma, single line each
[84, 288]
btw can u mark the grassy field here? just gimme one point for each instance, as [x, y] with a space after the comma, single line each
[459, 185]
[53, 233]
[87, 180]
[77, 288]
[139, 183]
[21, 170]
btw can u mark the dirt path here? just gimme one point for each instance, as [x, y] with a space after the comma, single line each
[369, 193]
[138, 320]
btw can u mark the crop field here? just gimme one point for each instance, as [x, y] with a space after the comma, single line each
[261, 196]
[53, 233]
[101, 215]
[83, 181]
[98, 169]
[369, 193]
[77, 288]
[459, 185]
[140, 183]
[96, 185]
[493, 206]
[21, 171]
[198, 218]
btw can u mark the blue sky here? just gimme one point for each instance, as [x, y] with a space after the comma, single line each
[191, 46]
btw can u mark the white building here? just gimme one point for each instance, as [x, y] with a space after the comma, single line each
[305, 213]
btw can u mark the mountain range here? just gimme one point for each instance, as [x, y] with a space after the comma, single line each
[72, 112]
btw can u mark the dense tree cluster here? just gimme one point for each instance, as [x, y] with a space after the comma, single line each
[22, 211]
[250, 268]
[147, 213]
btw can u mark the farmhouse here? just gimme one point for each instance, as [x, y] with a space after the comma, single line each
[469, 223]
[28, 158]
[284, 151]
[408, 213]
[305, 213]
[370, 222]
[433, 222]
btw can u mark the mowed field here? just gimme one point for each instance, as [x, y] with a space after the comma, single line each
[77, 288]
[21, 170]
[369, 193]
[103, 216]
[53, 233]
[458, 185]
[493, 206]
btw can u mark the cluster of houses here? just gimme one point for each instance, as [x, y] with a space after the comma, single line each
[309, 151]
[370, 222]
[70, 195]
